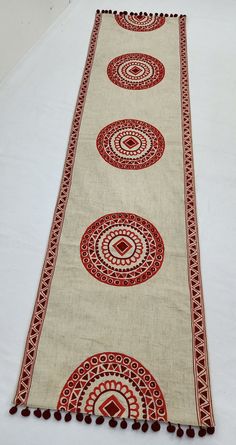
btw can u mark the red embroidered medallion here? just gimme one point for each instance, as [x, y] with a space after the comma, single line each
[139, 22]
[130, 144]
[122, 249]
[116, 385]
[135, 71]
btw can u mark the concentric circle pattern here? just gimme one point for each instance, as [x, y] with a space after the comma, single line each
[130, 144]
[135, 71]
[140, 23]
[122, 249]
[115, 385]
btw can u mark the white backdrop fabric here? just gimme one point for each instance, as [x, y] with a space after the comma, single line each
[36, 105]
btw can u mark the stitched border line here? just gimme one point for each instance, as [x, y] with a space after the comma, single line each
[40, 307]
[200, 359]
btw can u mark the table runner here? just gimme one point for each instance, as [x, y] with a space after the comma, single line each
[118, 327]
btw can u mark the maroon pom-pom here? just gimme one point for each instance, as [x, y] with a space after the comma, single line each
[123, 424]
[67, 417]
[99, 420]
[115, 12]
[179, 431]
[47, 414]
[136, 425]
[88, 419]
[79, 417]
[190, 432]
[161, 14]
[112, 423]
[210, 429]
[25, 412]
[37, 413]
[202, 432]
[13, 410]
[98, 11]
[166, 15]
[145, 426]
[175, 15]
[57, 415]
[155, 426]
[170, 428]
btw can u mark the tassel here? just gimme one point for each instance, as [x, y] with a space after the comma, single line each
[99, 420]
[112, 422]
[47, 414]
[179, 431]
[202, 432]
[88, 419]
[67, 417]
[57, 415]
[123, 424]
[145, 426]
[136, 425]
[37, 413]
[190, 432]
[79, 417]
[155, 426]
[13, 410]
[170, 428]
[25, 412]
[210, 429]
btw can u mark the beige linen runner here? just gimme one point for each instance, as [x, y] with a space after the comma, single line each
[118, 328]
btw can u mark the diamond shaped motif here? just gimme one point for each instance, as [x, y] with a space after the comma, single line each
[112, 407]
[140, 17]
[135, 70]
[130, 142]
[122, 246]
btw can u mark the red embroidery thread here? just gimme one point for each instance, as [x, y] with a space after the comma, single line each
[139, 23]
[130, 144]
[135, 71]
[116, 385]
[122, 249]
[201, 373]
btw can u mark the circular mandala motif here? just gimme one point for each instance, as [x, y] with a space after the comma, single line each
[122, 249]
[139, 22]
[115, 385]
[130, 144]
[135, 71]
